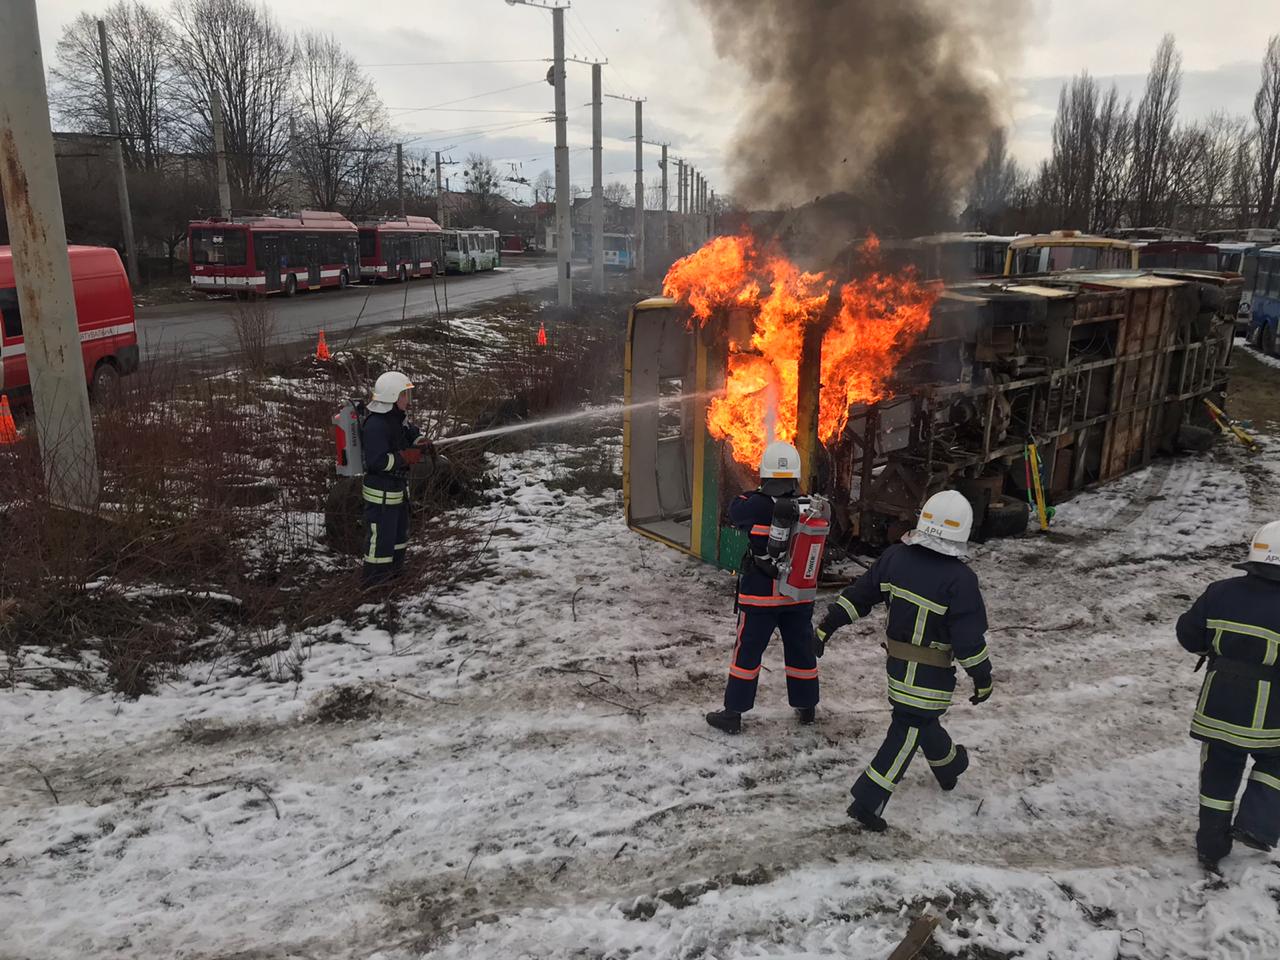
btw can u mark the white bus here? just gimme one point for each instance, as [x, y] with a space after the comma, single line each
[471, 249]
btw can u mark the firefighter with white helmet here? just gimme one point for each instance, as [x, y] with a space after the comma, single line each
[936, 619]
[1235, 625]
[391, 445]
[762, 610]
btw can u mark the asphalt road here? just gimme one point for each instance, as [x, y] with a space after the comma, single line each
[205, 328]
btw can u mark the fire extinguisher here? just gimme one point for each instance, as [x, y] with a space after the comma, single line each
[805, 543]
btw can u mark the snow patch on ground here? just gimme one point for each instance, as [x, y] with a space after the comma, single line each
[522, 770]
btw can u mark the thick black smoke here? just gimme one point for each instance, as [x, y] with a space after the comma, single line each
[886, 104]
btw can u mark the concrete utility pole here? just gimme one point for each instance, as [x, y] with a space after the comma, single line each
[400, 175]
[38, 235]
[442, 212]
[711, 214]
[220, 155]
[640, 257]
[597, 181]
[564, 226]
[122, 181]
[666, 209]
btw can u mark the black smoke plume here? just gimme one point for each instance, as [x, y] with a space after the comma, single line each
[883, 108]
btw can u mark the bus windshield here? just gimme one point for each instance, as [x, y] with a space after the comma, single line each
[451, 241]
[222, 247]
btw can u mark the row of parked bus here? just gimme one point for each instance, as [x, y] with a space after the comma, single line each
[316, 249]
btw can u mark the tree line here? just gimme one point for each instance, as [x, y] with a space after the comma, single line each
[1116, 164]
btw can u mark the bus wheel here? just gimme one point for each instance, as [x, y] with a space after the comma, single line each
[290, 285]
[343, 280]
[105, 385]
[404, 274]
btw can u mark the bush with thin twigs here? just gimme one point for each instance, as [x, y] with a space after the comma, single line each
[254, 321]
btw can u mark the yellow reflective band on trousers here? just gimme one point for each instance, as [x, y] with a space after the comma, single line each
[1266, 779]
[383, 497]
[372, 555]
[1224, 805]
[889, 780]
[945, 760]
[1247, 738]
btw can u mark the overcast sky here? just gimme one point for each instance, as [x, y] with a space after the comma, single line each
[662, 50]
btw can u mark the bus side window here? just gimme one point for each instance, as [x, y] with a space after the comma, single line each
[12, 314]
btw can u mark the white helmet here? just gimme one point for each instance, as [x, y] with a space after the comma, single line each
[387, 390]
[1265, 545]
[781, 461]
[944, 525]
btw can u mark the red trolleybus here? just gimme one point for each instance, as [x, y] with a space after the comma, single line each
[273, 254]
[400, 248]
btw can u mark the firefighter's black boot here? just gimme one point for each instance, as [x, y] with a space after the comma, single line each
[959, 765]
[806, 715]
[869, 819]
[727, 720]
[1249, 840]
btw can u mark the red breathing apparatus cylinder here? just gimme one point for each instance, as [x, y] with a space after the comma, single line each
[797, 539]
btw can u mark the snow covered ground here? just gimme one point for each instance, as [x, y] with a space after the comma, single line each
[523, 769]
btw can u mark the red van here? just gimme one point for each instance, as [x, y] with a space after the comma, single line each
[104, 309]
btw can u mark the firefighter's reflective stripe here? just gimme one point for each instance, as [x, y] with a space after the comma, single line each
[951, 755]
[1247, 738]
[777, 600]
[391, 462]
[741, 674]
[401, 546]
[800, 673]
[976, 659]
[1260, 704]
[383, 497]
[760, 530]
[372, 555]
[1265, 779]
[1249, 630]
[847, 606]
[926, 698]
[1224, 805]
[889, 780]
[923, 606]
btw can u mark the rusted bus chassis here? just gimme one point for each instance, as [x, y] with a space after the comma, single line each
[1103, 371]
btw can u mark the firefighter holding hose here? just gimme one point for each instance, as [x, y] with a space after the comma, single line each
[391, 446]
[762, 609]
[936, 619]
[1235, 625]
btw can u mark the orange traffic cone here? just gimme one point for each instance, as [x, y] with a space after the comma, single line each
[542, 334]
[322, 348]
[8, 429]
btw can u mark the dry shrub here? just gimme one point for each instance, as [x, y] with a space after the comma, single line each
[254, 322]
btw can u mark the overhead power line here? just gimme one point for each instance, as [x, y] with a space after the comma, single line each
[451, 63]
[476, 96]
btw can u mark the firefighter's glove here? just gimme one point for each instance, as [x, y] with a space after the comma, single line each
[981, 694]
[819, 642]
[412, 455]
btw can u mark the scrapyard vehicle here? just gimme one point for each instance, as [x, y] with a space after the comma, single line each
[1102, 370]
[1068, 250]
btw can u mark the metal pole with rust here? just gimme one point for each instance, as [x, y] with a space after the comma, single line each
[37, 233]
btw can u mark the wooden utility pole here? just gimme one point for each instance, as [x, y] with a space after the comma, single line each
[400, 175]
[597, 181]
[442, 212]
[220, 155]
[122, 180]
[37, 233]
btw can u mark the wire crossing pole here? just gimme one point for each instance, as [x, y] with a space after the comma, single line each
[220, 155]
[442, 212]
[666, 210]
[122, 181]
[38, 235]
[400, 175]
[564, 228]
[640, 257]
[597, 181]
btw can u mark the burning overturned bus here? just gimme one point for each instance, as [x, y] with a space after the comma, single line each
[893, 389]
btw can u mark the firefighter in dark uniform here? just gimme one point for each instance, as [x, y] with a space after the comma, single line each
[1236, 625]
[936, 619]
[391, 445]
[762, 611]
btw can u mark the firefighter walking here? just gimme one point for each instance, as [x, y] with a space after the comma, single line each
[1235, 625]
[936, 618]
[391, 445]
[762, 609]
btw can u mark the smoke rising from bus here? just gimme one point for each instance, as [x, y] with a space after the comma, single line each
[891, 104]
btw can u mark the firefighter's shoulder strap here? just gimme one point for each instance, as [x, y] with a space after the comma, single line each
[926, 655]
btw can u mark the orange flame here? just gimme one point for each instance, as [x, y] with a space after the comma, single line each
[880, 317]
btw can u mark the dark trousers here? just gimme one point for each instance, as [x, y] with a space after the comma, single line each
[386, 539]
[1221, 769]
[756, 627]
[907, 732]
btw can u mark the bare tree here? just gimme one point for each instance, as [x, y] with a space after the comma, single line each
[1242, 191]
[1072, 170]
[239, 50]
[1266, 114]
[340, 124]
[1113, 138]
[618, 192]
[139, 48]
[484, 183]
[994, 184]
[1205, 187]
[544, 187]
[1153, 131]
